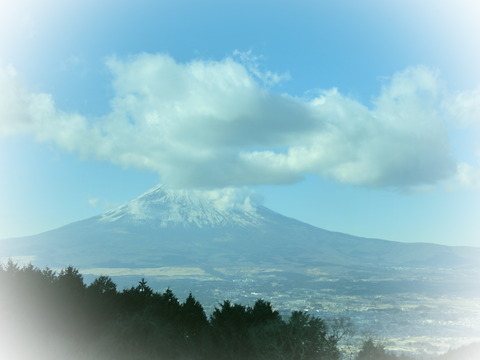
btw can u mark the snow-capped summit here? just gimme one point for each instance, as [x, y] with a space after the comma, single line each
[163, 207]
[217, 229]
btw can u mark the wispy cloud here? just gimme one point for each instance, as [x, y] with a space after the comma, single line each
[220, 123]
[464, 107]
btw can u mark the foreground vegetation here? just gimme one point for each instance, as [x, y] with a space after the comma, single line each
[46, 315]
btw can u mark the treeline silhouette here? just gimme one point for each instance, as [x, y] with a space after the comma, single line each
[45, 315]
[49, 315]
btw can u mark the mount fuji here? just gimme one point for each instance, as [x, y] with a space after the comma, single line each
[216, 232]
[223, 245]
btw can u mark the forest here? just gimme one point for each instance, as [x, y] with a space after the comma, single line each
[50, 315]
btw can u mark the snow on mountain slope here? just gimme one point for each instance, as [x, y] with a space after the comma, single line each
[217, 229]
[162, 207]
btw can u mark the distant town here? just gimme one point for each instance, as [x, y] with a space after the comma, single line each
[413, 317]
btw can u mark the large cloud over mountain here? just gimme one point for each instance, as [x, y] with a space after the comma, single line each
[216, 123]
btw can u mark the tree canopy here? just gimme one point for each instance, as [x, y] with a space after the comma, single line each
[56, 316]
[49, 315]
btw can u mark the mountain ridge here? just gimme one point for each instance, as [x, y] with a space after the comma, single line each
[218, 229]
[223, 245]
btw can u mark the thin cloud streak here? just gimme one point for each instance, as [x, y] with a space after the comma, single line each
[218, 124]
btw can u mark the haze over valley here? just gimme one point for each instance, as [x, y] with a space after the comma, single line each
[420, 298]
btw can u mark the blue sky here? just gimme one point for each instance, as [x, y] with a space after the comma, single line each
[358, 117]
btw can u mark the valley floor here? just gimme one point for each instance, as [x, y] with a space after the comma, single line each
[419, 316]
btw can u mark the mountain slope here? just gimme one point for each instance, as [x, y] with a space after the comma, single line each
[215, 229]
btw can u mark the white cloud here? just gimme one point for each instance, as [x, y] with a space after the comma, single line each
[215, 124]
[467, 176]
[400, 143]
[13, 98]
[94, 202]
[23, 112]
[231, 199]
[252, 63]
[464, 107]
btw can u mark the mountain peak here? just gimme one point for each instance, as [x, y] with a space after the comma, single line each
[163, 207]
